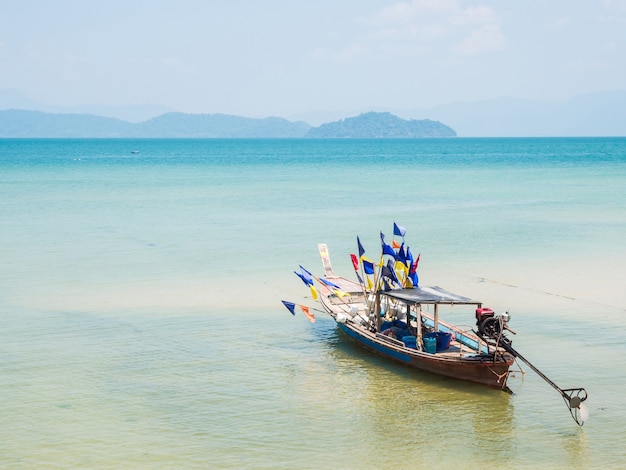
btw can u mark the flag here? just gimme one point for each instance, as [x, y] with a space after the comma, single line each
[401, 268]
[313, 292]
[395, 244]
[301, 277]
[415, 263]
[307, 277]
[355, 261]
[368, 266]
[361, 249]
[290, 306]
[402, 255]
[398, 230]
[392, 267]
[409, 256]
[369, 283]
[358, 276]
[387, 250]
[307, 313]
[329, 284]
[390, 273]
[382, 237]
[413, 271]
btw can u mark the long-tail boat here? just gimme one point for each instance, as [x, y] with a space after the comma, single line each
[388, 312]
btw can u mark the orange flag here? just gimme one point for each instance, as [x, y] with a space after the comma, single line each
[307, 313]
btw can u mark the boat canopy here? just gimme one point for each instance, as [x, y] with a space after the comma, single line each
[429, 295]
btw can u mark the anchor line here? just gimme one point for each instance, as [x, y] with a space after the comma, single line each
[575, 299]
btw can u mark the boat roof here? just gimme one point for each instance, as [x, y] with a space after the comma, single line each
[429, 295]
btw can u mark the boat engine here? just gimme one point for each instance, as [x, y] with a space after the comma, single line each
[489, 324]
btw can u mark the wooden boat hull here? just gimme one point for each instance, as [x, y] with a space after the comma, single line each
[472, 368]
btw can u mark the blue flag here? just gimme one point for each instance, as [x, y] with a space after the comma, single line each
[387, 250]
[390, 273]
[361, 249]
[401, 254]
[329, 284]
[290, 306]
[368, 266]
[398, 230]
[391, 267]
[306, 276]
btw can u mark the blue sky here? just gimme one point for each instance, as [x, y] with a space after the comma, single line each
[283, 58]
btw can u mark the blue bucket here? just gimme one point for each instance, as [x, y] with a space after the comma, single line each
[430, 344]
[442, 339]
[410, 341]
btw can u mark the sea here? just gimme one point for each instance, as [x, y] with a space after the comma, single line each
[141, 322]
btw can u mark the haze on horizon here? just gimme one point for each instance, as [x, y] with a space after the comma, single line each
[287, 58]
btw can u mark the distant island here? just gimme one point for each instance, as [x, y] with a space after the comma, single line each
[16, 123]
[381, 125]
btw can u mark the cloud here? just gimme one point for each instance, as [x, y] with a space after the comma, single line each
[484, 39]
[479, 14]
[443, 25]
[407, 12]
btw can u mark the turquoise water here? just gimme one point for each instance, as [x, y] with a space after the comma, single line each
[141, 323]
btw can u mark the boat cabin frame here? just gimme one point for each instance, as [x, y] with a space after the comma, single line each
[413, 299]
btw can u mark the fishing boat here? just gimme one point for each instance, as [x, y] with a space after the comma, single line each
[388, 312]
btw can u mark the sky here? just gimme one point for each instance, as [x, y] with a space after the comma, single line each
[289, 57]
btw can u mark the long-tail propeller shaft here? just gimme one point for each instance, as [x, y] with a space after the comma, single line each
[573, 397]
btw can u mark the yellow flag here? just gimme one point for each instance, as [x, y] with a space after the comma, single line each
[313, 292]
[402, 268]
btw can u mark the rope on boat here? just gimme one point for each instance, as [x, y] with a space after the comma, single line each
[575, 299]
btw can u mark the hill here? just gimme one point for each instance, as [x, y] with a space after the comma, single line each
[381, 125]
[219, 126]
[15, 123]
[22, 123]
[593, 114]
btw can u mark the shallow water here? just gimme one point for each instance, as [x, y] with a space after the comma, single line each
[141, 323]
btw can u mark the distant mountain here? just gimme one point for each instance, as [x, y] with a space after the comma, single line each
[592, 114]
[219, 126]
[381, 125]
[25, 124]
[21, 123]
[34, 124]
